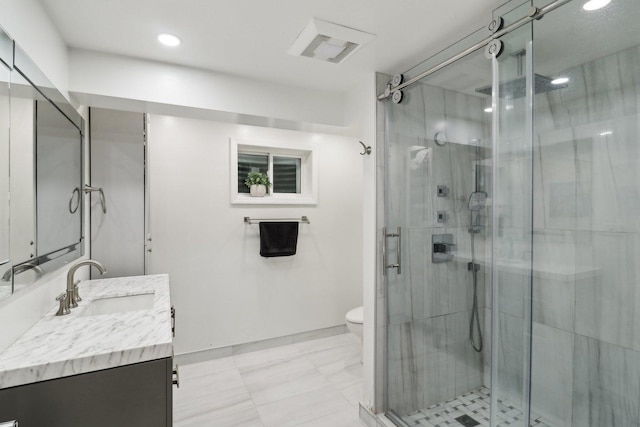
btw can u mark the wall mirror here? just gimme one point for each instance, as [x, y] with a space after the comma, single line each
[6, 52]
[41, 225]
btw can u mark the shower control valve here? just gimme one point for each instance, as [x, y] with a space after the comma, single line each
[442, 248]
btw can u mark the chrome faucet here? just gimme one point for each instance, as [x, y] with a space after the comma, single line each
[72, 297]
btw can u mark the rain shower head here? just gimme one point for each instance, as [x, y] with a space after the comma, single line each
[477, 201]
[517, 88]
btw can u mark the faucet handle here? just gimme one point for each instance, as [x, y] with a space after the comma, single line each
[64, 307]
[76, 293]
[71, 297]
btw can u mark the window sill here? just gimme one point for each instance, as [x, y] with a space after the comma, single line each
[243, 199]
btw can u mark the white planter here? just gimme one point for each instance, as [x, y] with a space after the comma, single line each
[258, 190]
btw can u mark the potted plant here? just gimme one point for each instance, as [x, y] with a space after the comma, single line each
[258, 183]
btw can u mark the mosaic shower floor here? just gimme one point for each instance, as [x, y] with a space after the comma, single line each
[474, 405]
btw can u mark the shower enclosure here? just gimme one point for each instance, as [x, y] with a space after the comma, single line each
[511, 234]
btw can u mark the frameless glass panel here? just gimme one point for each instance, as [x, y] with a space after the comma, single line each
[286, 174]
[586, 294]
[512, 228]
[437, 178]
[250, 163]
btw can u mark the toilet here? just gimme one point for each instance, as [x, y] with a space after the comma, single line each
[354, 319]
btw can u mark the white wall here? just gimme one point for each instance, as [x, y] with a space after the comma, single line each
[28, 24]
[224, 292]
[95, 75]
[117, 166]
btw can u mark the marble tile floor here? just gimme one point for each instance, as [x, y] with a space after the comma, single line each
[315, 383]
[475, 404]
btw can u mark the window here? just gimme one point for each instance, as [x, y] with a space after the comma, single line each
[284, 171]
[250, 163]
[286, 174]
[291, 170]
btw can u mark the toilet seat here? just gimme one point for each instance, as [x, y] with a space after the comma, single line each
[356, 315]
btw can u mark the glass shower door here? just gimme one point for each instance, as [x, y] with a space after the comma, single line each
[511, 254]
[586, 288]
[437, 181]
[520, 176]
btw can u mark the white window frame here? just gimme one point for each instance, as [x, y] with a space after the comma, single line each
[308, 172]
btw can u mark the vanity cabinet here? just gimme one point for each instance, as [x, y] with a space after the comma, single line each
[131, 395]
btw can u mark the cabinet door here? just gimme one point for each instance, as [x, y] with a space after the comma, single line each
[133, 395]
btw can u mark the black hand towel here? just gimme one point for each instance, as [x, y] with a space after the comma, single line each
[278, 238]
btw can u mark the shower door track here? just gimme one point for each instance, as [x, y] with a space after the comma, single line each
[534, 13]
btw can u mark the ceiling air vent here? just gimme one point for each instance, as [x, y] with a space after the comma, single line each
[328, 42]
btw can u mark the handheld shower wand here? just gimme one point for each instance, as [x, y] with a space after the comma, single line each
[477, 202]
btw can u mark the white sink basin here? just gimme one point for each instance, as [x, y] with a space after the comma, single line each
[119, 304]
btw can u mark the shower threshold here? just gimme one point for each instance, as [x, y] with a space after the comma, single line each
[469, 410]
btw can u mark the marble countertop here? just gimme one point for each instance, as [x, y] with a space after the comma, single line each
[61, 346]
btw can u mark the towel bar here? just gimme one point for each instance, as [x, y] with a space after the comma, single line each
[304, 219]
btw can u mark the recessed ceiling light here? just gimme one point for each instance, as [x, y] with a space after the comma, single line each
[488, 110]
[169, 39]
[595, 4]
[606, 132]
[560, 81]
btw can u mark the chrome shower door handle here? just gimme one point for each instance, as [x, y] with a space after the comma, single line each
[398, 263]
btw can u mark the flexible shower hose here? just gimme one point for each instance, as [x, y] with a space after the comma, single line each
[475, 315]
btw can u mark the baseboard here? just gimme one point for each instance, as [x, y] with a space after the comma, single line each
[219, 352]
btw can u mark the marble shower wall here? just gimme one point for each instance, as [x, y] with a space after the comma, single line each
[429, 358]
[586, 295]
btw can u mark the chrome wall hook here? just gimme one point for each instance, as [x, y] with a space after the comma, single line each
[366, 148]
[103, 200]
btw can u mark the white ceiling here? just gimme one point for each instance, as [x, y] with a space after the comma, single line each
[250, 38]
